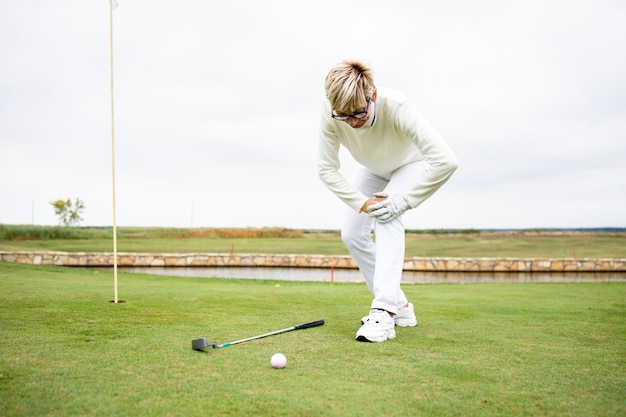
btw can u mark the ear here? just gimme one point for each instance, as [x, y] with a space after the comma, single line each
[374, 95]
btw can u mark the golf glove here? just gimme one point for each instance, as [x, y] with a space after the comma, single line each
[389, 209]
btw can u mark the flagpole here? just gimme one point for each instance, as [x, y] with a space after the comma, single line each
[115, 298]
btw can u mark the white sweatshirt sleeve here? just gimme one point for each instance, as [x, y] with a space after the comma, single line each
[440, 157]
[329, 165]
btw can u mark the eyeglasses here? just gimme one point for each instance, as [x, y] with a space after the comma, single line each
[359, 115]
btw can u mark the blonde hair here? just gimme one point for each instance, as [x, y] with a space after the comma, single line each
[349, 85]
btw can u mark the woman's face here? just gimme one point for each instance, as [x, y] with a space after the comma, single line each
[358, 119]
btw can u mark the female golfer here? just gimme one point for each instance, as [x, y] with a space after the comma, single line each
[403, 161]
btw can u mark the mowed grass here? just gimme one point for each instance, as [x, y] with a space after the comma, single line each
[467, 244]
[507, 349]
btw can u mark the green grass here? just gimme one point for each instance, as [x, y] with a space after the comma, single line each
[506, 349]
[469, 244]
[32, 232]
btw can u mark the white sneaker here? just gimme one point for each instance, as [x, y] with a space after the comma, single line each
[404, 318]
[378, 327]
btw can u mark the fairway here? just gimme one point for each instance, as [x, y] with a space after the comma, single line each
[466, 244]
[506, 349]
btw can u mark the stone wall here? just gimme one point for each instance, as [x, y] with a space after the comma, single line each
[103, 259]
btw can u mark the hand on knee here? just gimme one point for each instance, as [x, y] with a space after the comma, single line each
[389, 209]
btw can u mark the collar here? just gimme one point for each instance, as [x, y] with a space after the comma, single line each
[374, 115]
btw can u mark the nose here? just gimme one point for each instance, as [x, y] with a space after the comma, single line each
[353, 122]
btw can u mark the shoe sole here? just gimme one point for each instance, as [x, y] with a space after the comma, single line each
[389, 336]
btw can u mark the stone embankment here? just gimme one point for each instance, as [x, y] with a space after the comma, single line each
[100, 259]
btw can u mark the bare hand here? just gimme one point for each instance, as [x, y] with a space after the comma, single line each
[371, 201]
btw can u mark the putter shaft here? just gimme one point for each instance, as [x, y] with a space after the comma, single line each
[199, 344]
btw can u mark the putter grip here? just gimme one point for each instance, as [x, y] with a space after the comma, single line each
[314, 323]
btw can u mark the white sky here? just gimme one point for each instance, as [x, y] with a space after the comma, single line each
[217, 106]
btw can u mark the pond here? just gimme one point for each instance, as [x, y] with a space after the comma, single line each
[353, 275]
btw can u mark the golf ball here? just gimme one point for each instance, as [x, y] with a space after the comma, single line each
[278, 361]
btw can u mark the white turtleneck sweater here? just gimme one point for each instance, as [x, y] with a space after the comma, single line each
[395, 135]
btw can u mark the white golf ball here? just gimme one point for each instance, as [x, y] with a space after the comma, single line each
[278, 361]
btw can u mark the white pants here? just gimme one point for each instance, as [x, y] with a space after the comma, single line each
[381, 262]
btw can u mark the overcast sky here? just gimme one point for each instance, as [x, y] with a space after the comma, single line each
[217, 106]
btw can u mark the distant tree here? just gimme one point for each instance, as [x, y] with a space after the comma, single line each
[68, 212]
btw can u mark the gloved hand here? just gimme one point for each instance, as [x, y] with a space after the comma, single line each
[389, 209]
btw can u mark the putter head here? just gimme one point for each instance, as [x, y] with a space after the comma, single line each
[199, 344]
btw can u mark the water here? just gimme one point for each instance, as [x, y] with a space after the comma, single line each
[352, 275]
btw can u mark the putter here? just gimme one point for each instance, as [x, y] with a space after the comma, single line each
[201, 343]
